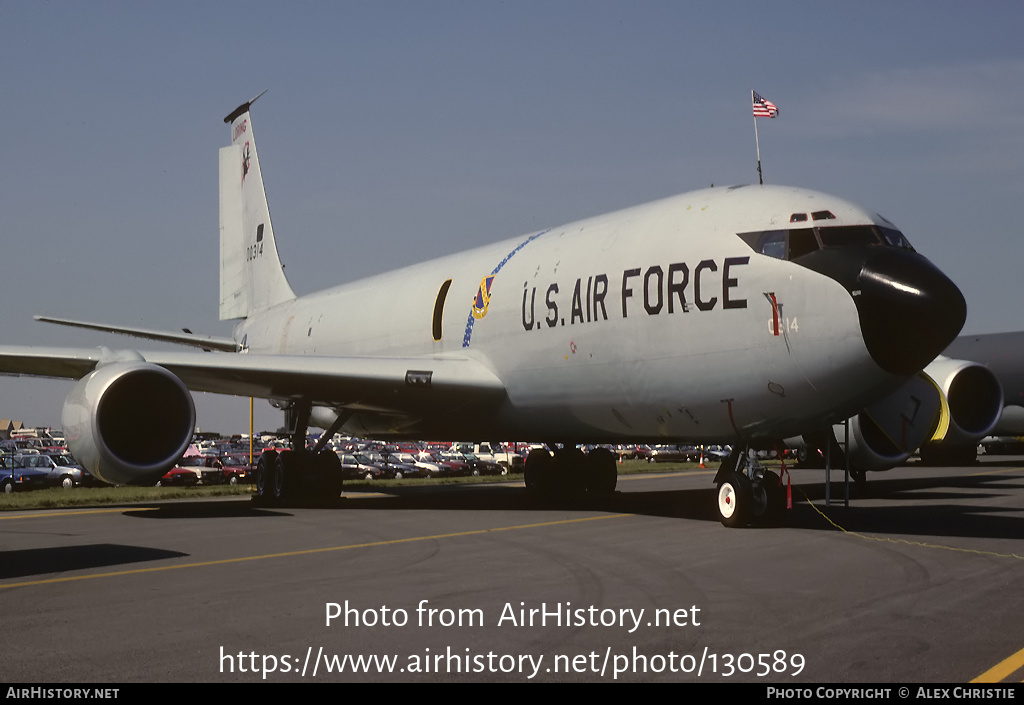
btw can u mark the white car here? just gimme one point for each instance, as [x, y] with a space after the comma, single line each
[61, 468]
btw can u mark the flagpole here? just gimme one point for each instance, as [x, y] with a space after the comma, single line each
[757, 143]
[760, 179]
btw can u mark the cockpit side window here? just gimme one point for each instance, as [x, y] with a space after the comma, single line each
[782, 244]
[773, 244]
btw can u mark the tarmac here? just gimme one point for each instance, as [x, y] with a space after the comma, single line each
[917, 581]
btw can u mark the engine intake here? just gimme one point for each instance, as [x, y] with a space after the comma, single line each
[128, 422]
[974, 395]
[885, 433]
[975, 401]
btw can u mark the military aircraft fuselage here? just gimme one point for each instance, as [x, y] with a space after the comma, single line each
[655, 322]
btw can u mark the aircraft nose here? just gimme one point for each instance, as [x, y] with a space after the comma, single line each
[909, 310]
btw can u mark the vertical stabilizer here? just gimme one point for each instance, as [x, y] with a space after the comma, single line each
[251, 276]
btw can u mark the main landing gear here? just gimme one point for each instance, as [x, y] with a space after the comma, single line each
[748, 493]
[299, 474]
[568, 473]
[295, 475]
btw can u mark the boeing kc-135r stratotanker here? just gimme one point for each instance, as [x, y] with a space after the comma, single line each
[740, 315]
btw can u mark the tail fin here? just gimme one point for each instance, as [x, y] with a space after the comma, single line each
[251, 276]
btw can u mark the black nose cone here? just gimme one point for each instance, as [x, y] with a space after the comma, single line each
[909, 310]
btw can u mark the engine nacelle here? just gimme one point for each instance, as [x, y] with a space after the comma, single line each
[973, 395]
[127, 422]
[885, 433]
[944, 412]
[974, 404]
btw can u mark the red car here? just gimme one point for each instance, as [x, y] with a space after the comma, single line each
[236, 470]
[178, 476]
[192, 470]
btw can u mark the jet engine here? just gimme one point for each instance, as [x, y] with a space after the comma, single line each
[885, 433]
[974, 398]
[128, 420]
[944, 411]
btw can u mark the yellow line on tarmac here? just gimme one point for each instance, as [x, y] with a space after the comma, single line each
[1002, 669]
[308, 551]
[993, 472]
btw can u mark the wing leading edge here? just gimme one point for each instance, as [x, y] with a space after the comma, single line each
[402, 384]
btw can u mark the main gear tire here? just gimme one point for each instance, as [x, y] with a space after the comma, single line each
[538, 473]
[602, 473]
[265, 470]
[767, 500]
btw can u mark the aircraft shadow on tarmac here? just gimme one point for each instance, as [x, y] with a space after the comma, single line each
[955, 506]
[928, 506]
[43, 561]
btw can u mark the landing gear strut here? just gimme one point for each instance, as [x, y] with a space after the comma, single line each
[568, 473]
[298, 474]
[747, 493]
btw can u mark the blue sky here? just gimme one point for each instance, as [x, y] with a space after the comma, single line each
[393, 132]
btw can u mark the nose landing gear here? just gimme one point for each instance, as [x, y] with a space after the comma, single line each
[747, 492]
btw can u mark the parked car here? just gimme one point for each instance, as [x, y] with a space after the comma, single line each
[674, 454]
[395, 469]
[489, 453]
[353, 467]
[13, 478]
[449, 464]
[207, 469]
[179, 476]
[716, 453]
[479, 465]
[235, 468]
[61, 469]
[429, 467]
[632, 452]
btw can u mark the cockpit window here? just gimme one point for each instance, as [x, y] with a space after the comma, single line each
[796, 242]
[895, 238]
[849, 235]
[801, 241]
[773, 244]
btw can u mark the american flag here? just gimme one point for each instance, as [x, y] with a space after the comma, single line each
[762, 107]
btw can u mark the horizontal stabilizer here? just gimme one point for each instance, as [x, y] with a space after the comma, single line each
[196, 341]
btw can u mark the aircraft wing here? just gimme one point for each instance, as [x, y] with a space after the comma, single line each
[401, 384]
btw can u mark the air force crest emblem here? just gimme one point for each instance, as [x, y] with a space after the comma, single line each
[483, 297]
